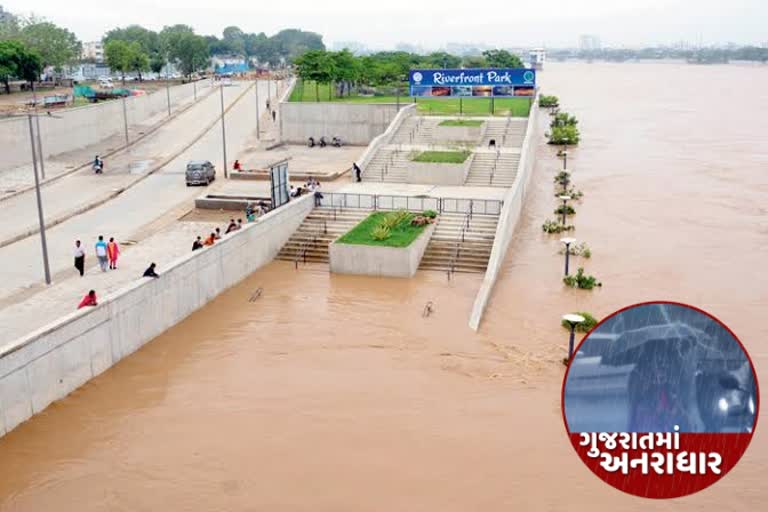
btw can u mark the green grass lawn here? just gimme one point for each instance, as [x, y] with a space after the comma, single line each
[442, 157]
[462, 122]
[401, 236]
[517, 107]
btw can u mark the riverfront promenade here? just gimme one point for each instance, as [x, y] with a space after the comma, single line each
[126, 215]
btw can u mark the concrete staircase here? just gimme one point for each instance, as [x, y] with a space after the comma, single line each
[508, 133]
[388, 165]
[319, 229]
[473, 252]
[483, 174]
[322, 226]
[415, 130]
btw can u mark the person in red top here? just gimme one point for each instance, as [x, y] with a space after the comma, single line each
[88, 300]
[113, 251]
[237, 165]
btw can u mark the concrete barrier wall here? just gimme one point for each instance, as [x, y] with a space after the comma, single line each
[386, 137]
[52, 362]
[80, 127]
[510, 214]
[356, 124]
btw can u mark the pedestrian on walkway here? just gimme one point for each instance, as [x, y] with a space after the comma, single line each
[101, 253]
[210, 240]
[88, 300]
[231, 227]
[358, 171]
[236, 166]
[79, 258]
[113, 251]
[197, 244]
[274, 116]
[218, 233]
[239, 223]
[268, 104]
[150, 272]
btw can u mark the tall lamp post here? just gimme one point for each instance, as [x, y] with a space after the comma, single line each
[223, 133]
[40, 216]
[567, 242]
[258, 125]
[565, 159]
[565, 199]
[572, 320]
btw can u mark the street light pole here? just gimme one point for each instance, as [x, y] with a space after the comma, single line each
[37, 127]
[223, 132]
[40, 216]
[567, 242]
[258, 122]
[194, 88]
[572, 320]
[125, 122]
[565, 207]
[167, 88]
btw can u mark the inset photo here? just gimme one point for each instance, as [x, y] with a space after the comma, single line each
[673, 387]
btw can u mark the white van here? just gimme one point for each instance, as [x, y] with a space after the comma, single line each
[106, 83]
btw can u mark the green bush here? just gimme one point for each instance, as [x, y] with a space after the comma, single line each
[429, 213]
[563, 178]
[548, 101]
[568, 210]
[381, 232]
[575, 194]
[553, 226]
[562, 119]
[585, 326]
[564, 135]
[581, 280]
[580, 249]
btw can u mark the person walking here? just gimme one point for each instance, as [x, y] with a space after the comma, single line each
[101, 253]
[274, 116]
[113, 251]
[197, 244]
[358, 171]
[150, 272]
[79, 258]
[88, 300]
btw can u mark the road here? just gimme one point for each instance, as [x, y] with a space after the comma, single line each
[72, 193]
[124, 216]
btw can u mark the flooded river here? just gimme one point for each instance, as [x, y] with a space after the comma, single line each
[335, 393]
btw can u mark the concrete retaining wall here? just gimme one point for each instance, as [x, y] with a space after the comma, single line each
[81, 127]
[371, 260]
[356, 124]
[52, 362]
[386, 137]
[426, 173]
[510, 214]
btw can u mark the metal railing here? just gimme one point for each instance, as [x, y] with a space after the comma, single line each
[343, 200]
[308, 244]
[458, 243]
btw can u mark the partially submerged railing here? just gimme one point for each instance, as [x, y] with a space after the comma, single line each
[308, 244]
[412, 203]
[460, 237]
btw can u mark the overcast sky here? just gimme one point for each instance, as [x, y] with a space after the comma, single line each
[384, 24]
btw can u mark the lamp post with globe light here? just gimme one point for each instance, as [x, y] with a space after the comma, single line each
[565, 199]
[572, 320]
[567, 242]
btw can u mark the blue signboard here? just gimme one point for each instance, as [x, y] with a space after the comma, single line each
[473, 82]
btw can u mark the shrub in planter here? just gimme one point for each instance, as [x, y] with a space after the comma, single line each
[553, 226]
[380, 232]
[568, 210]
[581, 280]
[429, 213]
[548, 101]
[585, 326]
[564, 135]
[580, 249]
[563, 178]
[562, 119]
[575, 194]
[420, 220]
[394, 219]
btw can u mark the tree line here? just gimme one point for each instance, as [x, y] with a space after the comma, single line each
[347, 71]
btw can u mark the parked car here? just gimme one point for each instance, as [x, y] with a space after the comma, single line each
[200, 172]
[106, 83]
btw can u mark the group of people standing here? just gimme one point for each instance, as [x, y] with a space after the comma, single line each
[107, 254]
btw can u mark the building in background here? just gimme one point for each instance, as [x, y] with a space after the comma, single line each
[536, 58]
[93, 52]
[589, 42]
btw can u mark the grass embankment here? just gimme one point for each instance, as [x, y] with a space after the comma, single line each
[442, 157]
[402, 235]
[516, 107]
[462, 122]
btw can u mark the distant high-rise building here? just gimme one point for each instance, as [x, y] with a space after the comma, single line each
[94, 51]
[588, 42]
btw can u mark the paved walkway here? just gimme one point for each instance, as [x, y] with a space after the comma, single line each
[129, 215]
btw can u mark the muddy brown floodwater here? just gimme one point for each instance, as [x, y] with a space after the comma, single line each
[333, 393]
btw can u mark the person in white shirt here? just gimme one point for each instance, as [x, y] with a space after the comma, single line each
[79, 258]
